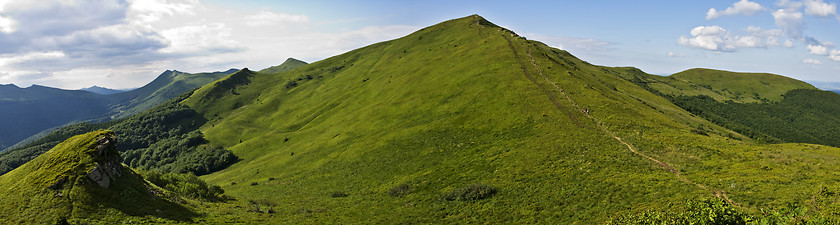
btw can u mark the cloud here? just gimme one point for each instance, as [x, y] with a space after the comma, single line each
[200, 39]
[672, 54]
[834, 55]
[147, 11]
[716, 38]
[266, 18]
[817, 50]
[820, 8]
[741, 7]
[812, 61]
[790, 21]
[12, 59]
[7, 25]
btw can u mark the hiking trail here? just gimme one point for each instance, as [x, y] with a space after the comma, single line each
[600, 124]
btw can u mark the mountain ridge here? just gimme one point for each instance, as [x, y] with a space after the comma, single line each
[467, 122]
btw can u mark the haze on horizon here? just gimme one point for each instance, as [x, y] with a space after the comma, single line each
[127, 43]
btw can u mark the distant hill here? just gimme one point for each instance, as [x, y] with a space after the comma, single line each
[102, 90]
[290, 63]
[28, 111]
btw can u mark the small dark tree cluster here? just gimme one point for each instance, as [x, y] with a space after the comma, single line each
[184, 184]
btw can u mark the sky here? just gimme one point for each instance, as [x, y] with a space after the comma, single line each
[120, 44]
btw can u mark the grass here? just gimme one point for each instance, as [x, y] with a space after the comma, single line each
[380, 134]
[26, 198]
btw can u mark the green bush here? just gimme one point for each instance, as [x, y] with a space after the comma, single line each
[184, 184]
[400, 190]
[470, 192]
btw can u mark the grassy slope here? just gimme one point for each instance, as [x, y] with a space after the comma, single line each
[451, 105]
[466, 102]
[740, 87]
[26, 198]
[289, 64]
[162, 89]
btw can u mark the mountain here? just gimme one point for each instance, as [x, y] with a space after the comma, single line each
[36, 110]
[167, 85]
[102, 90]
[81, 180]
[467, 122]
[290, 63]
[27, 111]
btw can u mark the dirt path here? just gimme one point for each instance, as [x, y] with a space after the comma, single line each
[600, 124]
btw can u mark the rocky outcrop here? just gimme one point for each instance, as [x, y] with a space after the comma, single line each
[108, 162]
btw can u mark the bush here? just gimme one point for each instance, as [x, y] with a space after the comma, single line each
[338, 194]
[187, 185]
[400, 190]
[470, 192]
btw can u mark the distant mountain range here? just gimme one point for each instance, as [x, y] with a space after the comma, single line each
[28, 111]
[104, 91]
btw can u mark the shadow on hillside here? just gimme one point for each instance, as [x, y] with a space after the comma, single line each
[131, 196]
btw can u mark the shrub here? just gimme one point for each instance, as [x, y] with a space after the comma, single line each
[470, 192]
[187, 185]
[338, 194]
[400, 190]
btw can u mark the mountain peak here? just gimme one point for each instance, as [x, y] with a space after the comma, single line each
[289, 64]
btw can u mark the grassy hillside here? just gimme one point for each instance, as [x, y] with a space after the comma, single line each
[54, 188]
[153, 139]
[467, 122]
[289, 64]
[168, 85]
[742, 87]
[395, 128]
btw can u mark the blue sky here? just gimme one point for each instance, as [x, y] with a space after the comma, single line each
[126, 43]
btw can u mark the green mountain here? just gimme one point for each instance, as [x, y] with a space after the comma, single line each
[289, 64]
[467, 122]
[30, 113]
[742, 87]
[81, 180]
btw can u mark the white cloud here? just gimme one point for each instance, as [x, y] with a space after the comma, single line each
[672, 54]
[146, 11]
[741, 7]
[11, 59]
[811, 61]
[788, 43]
[266, 18]
[7, 25]
[817, 50]
[834, 55]
[790, 21]
[820, 8]
[716, 38]
[200, 39]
